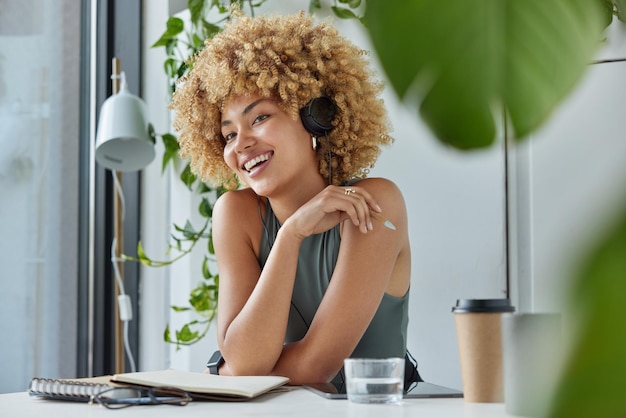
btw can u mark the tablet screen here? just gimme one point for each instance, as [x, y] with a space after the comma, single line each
[418, 390]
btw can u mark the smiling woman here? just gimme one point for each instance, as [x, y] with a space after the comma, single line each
[291, 108]
[285, 68]
[248, 120]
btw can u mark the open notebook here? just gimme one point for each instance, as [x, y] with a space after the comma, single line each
[199, 385]
[205, 386]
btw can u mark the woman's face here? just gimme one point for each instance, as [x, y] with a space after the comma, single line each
[264, 145]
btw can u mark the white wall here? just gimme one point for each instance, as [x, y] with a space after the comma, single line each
[570, 181]
[154, 297]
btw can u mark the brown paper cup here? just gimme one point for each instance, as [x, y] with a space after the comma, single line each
[479, 338]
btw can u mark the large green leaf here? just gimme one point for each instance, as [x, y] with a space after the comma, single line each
[465, 60]
[594, 379]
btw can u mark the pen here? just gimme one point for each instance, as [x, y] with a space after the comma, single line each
[381, 218]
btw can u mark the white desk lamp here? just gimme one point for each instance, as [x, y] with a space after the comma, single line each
[123, 141]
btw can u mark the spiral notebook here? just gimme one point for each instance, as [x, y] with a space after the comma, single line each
[68, 389]
[200, 386]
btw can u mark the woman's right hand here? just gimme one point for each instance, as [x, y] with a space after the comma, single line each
[332, 206]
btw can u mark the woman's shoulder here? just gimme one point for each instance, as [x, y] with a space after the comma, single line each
[379, 186]
[236, 202]
[239, 195]
[236, 219]
[387, 194]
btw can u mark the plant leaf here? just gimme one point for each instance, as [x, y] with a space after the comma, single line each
[463, 61]
[171, 150]
[167, 337]
[209, 29]
[187, 177]
[620, 6]
[205, 208]
[203, 298]
[203, 188]
[141, 255]
[170, 66]
[206, 272]
[343, 13]
[195, 10]
[607, 9]
[189, 231]
[314, 5]
[185, 334]
[593, 381]
[210, 247]
[174, 27]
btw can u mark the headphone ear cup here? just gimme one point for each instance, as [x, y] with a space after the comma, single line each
[317, 116]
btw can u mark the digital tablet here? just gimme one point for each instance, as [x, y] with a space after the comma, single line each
[419, 390]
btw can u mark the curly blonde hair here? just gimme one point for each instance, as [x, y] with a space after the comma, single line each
[292, 60]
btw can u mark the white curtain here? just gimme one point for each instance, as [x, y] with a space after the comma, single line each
[39, 150]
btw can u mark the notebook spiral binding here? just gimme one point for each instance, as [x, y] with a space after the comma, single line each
[64, 389]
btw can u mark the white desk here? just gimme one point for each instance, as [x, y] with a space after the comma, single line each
[298, 403]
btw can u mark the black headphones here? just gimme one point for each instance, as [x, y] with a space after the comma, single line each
[317, 116]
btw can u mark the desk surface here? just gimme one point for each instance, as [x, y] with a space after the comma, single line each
[297, 402]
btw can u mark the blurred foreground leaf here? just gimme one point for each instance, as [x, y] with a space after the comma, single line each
[595, 375]
[465, 60]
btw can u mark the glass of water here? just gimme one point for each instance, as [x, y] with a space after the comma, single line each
[374, 380]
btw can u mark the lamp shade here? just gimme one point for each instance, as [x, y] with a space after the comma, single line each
[123, 142]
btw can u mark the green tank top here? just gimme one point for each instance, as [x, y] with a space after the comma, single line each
[386, 334]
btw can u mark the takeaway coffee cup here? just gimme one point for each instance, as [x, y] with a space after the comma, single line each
[532, 352]
[479, 338]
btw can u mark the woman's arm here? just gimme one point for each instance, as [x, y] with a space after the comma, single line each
[368, 266]
[253, 306]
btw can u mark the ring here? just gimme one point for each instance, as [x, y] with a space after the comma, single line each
[348, 191]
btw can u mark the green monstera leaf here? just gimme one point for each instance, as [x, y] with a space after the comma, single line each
[465, 61]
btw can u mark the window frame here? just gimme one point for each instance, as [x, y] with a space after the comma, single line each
[111, 28]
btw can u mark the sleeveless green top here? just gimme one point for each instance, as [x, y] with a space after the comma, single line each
[386, 334]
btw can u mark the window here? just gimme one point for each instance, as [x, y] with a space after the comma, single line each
[57, 301]
[39, 182]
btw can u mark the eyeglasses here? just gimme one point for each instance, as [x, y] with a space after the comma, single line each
[123, 397]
